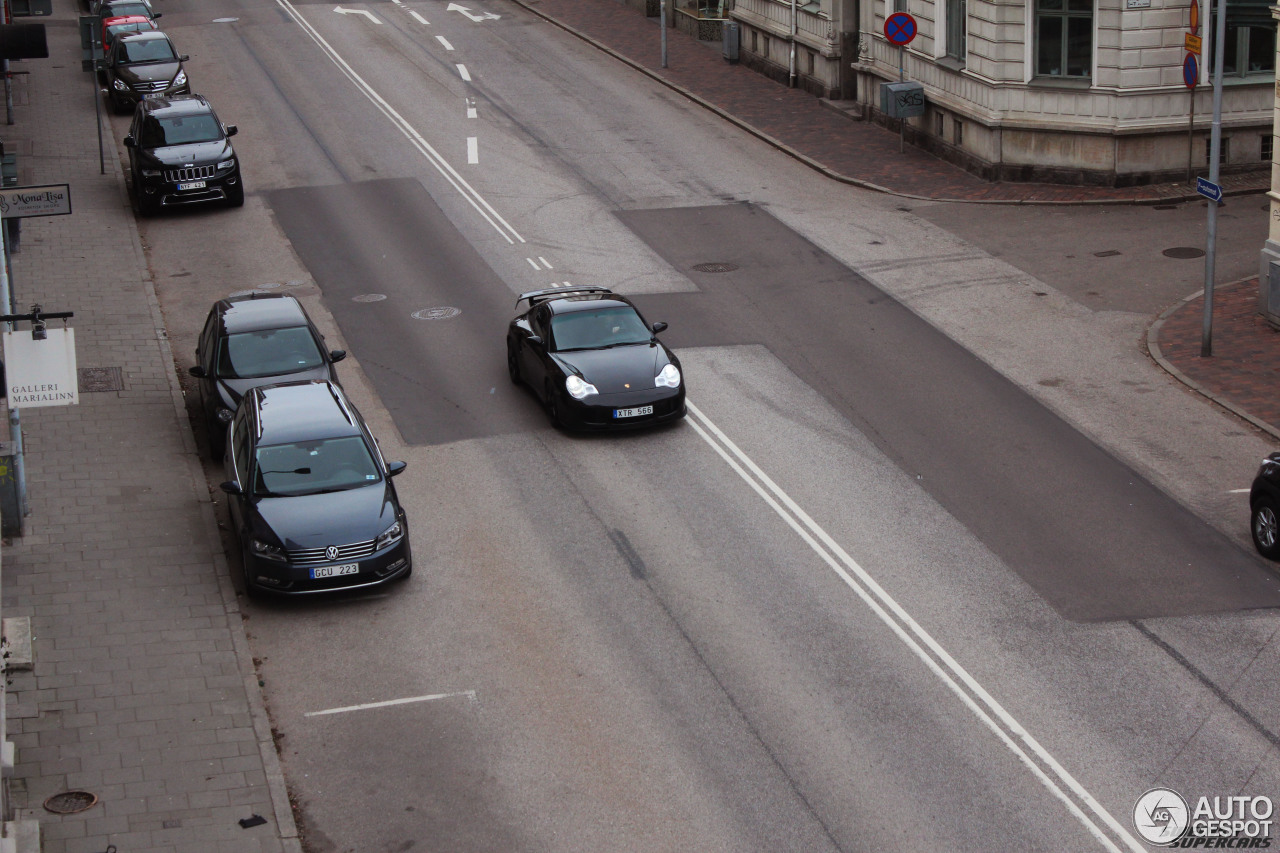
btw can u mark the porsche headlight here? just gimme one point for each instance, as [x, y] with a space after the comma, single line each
[668, 378]
[579, 389]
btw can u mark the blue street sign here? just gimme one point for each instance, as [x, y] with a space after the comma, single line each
[900, 28]
[1191, 71]
[1208, 189]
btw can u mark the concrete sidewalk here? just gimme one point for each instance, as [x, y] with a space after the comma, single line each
[142, 691]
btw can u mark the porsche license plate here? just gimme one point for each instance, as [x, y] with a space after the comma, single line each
[192, 185]
[334, 571]
[633, 413]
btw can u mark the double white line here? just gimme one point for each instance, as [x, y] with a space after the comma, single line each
[450, 174]
[1028, 750]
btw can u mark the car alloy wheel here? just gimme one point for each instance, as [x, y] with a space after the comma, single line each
[1265, 526]
[553, 406]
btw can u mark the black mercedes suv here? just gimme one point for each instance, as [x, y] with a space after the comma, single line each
[180, 153]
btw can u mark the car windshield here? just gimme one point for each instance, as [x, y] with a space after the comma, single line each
[313, 467]
[179, 130]
[132, 27]
[270, 352]
[140, 51]
[602, 327]
[120, 10]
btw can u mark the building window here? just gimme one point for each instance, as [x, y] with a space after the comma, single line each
[764, 45]
[1268, 146]
[899, 5]
[755, 45]
[1250, 46]
[957, 29]
[1223, 156]
[937, 124]
[1064, 38]
[957, 131]
[812, 62]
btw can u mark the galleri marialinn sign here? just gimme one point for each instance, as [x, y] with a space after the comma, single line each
[41, 372]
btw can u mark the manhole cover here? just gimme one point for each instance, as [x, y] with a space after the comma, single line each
[443, 313]
[1109, 253]
[715, 267]
[369, 297]
[70, 802]
[100, 379]
[1183, 253]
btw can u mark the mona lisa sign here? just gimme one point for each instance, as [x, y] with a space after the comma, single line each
[41, 372]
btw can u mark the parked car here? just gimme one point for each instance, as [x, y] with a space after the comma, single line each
[142, 65]
[251, 340]
[310, 495]
[1264, 508]
[593, 360]
[117, 26]
[180, 153]
[120, 8]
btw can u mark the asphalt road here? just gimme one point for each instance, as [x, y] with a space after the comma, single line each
[939, 561]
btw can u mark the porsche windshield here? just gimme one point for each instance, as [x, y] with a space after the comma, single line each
[598, 329]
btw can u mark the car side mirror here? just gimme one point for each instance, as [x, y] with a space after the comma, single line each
[198, 372]
[659, 327]
[232, 130]
[128, 140]
[184, 58]
[155, 15]
[394, 468]
[534, 340]
[231, 487]
[337, 355]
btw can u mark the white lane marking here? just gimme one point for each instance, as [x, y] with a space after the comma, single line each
[1239, 491]
[470, 694]
[473, 151]
[545, 262]
[419, 18]
[483, 16]
[471, 107]
[398, 2]
[365, 12]
[462, 70]
[946, 668]
[444, 41]
[534, 264]
[450, 174]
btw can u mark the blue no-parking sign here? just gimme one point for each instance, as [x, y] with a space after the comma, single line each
[900, 28]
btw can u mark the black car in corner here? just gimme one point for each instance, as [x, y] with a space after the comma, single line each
[310, 495]
[1264, 508]
[142, 65]
[180, 153]
[593, 361]
[251, 340]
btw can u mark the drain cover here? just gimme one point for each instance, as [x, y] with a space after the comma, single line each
[369, 297]
[1183, 253]
[715, 267]
[100, 379]
[442, 313]
[1109, 253]
[70, 802]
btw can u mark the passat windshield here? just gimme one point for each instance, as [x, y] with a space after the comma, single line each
[313, 467]
[271, 352]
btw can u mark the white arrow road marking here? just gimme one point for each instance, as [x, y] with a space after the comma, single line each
[419, 18]
[462, 69]
[470, 694]
[473, 151]
[1060, 783]
[484, 16]
[365, 12]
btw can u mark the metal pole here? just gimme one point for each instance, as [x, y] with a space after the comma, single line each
[902, 122]
[15, 421]
[662, 24]
[1191, 137]
[795, 16]
[1215, 147]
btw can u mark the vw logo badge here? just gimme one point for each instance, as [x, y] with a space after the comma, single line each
[331, 552]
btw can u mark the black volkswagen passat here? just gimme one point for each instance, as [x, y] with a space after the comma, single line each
[251, 340]
[593, 360]
[310, 496]
[180, 153]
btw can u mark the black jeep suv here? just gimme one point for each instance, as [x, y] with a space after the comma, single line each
[180, 153]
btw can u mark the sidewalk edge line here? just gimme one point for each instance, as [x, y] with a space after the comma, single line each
[277, 791]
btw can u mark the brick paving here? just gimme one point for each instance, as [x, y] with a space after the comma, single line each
[142, 689]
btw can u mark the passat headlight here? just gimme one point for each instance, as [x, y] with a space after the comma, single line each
[180, 80]
[668, 378]
[226, 164]
[579, 389]
[390, 536]
[266, 550]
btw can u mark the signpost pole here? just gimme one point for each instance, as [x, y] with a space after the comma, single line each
[1215, 148]
[662, 24]
[902, 122]
[15, 421]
